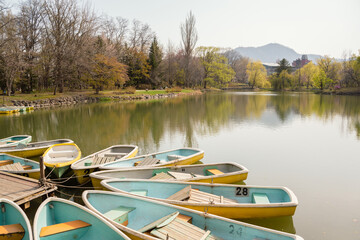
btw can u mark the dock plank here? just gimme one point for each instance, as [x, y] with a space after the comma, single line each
[21, 189]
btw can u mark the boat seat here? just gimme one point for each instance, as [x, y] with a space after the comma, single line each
[260, 198]
[12, 231]
[12, 167]
[27, 167]
[6, 162]
[119, 214]
[197, 196]
[180, 175]
[174, 227]
[102, 160]
[214, 171]
[139, 192]
[63, 227]
[172, 157]
[147, 161]
[181, 195]
[162, 176]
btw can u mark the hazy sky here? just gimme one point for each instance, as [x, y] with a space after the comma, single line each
[308, 26]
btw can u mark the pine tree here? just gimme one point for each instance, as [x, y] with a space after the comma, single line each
[155, 58]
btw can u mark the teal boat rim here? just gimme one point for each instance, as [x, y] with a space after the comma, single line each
[77, 166]
[291, 203]
[23, 214]
[203, 214]
[29, 145]
[242, 171]
[55, 199]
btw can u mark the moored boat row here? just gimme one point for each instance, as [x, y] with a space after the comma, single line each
[152, 196]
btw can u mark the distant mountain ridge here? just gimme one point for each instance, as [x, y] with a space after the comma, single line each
[272, 52]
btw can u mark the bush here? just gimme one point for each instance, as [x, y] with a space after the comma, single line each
[130, 90]
[174, 89]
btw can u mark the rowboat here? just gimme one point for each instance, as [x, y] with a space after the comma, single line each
[83, 167]
[15, 140]
[179, 156]
[20, 166]
[14, 109]
[32, 149]
[209, 173]
[142, 218]
[58, 219]
[59, 157]
[14, 223]
[231, 201]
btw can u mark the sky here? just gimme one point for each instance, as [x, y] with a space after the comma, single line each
[326, 27]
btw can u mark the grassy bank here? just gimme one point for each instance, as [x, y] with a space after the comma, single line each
[103, 95]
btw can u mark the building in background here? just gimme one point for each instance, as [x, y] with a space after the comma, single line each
[299, 63]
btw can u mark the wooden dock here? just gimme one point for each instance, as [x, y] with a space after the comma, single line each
[21, 189]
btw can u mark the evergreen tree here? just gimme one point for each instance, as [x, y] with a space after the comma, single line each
[283, 65]
[155, 58]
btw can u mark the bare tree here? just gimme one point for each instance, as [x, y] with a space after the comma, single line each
[140, 36]
[29, 24]
[189, 39]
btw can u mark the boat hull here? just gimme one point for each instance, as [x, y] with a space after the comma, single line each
[33, 172]
[82, 173]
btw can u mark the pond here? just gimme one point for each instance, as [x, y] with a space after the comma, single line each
[306, 142]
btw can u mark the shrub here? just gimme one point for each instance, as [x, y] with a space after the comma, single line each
[130, 90]
[174, 89]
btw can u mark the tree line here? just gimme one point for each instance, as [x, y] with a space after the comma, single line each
[326, 73]
[58, 45]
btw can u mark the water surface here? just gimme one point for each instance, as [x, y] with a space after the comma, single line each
[309, 143]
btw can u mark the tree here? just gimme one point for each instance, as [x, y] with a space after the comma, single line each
[283, 65]
[217, 72]
[321, 80]
[155, 58]
[238, 63]
[331, 68]
[106, 71]
[189, 39]
[257, 75]
[138, 67]
[309, 71]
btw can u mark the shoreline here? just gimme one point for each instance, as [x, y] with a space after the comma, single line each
[83, 99]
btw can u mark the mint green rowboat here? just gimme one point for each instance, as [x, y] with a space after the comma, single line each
[142, 218]
[14, 223]
[58, 219]
[15, 140]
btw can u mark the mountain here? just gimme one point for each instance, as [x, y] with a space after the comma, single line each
[272, 52]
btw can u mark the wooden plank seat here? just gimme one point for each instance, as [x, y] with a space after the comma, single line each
[102, 160]
[119, 214]
[147, 161]
[180, 175]
[27, 167]
[196, 196]
[6, 162]
[174, 227]
[214, 171]
[181, 195]
[12, 167]
[162, 176]
[12, 231]
[116, 155]
[63, 227]
[139, 192]
[260, 198]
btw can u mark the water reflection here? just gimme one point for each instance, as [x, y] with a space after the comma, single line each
[147, 124]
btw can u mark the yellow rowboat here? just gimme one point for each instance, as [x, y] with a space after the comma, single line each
[20, 166]
[32, 149]
[142, 218]
[230, 201]
[179, 156]
[91, 163]
[208, 173]
[59, 157]
[13, 141]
